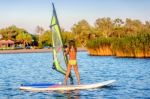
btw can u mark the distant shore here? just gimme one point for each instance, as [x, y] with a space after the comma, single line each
[32, 51]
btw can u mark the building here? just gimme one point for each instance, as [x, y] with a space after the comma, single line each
[6, 44]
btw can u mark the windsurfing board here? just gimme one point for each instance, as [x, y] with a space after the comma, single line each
[58, 87]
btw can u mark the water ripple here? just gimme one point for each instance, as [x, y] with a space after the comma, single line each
[132, 75]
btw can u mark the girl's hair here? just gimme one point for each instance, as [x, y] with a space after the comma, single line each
[72, 43]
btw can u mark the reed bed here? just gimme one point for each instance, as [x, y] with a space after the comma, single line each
[128, 46]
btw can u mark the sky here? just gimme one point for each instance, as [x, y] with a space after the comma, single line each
[28, 14]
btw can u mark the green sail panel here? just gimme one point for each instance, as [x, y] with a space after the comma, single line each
[60, 60]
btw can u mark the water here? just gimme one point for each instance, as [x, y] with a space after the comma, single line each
[132, 75]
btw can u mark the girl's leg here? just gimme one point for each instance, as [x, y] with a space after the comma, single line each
[77, 73]
[67, 73]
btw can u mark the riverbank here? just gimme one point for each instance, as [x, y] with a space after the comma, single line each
[32, 51]
[108, 51]
[136, 46]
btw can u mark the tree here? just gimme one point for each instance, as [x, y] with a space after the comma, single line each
[118, 22]
[24, 38]
[11, 32]
[39, 30]
[133, 26]
[45, 39]
[81, 31]
[118, 30]
[66, 36]
[147, 26]
[104, 26]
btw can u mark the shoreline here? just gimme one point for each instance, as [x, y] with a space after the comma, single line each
[32, 51]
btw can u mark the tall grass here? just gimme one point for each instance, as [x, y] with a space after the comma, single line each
[128, 46]
[133, 45]
[100, 46]
[99, 42]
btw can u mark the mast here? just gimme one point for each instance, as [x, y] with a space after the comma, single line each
[60, 60]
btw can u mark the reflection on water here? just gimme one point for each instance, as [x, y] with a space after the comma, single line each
[132, 75]
[71, 94]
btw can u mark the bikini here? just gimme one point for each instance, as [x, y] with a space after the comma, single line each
[72, 61]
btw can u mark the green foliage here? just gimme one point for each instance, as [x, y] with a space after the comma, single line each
[11, 32]
[24, 38]
[132, 44]
[45, 39]
[81, 30]
[129, 36]
[66, 36]
[99, 42]
[104, 26]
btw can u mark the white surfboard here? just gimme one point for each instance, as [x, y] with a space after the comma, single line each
[57, 87]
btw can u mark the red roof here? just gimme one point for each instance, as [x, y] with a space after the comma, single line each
[3, 42]
[10, 42]
[6, 42]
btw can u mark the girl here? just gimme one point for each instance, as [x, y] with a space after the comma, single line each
[72, 51]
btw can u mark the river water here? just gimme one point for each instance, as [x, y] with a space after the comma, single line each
[132, 75]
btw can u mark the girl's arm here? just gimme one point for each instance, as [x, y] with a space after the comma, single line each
[66, 51]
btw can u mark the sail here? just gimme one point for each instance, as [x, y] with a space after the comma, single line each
[60, 60]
